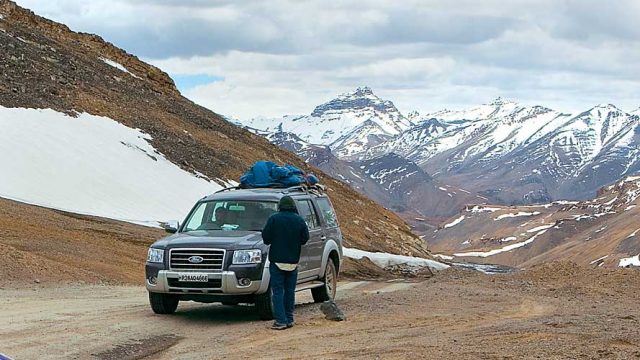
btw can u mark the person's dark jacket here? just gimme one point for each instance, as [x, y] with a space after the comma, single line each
[286, 232]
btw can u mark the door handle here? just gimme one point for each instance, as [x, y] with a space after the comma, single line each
[323, 238]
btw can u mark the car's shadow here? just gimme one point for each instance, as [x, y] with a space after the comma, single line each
[223, 314]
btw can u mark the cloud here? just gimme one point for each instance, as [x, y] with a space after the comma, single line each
[249, 58]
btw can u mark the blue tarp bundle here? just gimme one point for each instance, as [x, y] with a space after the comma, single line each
[269, 174]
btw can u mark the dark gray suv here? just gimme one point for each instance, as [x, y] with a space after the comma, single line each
[217, 254]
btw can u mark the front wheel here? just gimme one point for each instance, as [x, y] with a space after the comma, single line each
[330, 280]
[263, 305]
[163, 303]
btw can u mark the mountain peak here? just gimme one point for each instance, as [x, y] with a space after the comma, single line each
[501, 101]
[607, 107]
[362, 92]
[365, 90]
[360, 99]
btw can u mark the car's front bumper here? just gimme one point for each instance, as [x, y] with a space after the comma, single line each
[166, 282]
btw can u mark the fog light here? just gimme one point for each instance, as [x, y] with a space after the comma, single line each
[153, 280]
[244, 282]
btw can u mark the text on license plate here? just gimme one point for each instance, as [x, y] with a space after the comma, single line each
[193, 277]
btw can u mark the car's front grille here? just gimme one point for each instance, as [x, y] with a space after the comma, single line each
[211, 284]
[211, 259]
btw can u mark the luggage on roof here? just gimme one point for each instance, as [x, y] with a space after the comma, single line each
[269, 174]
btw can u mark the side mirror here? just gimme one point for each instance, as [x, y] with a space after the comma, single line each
[171, 226]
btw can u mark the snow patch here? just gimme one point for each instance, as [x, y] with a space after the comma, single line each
[454, 222]
[118, 66]
[633, 234]
[480, 209]
[501, 250]
[539, 228]
[521, 213]
[91, 165]
[444, 257]
[598, 259]
[631, 261]
[384, 260]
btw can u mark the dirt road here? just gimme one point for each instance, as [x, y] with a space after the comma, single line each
[549, 312]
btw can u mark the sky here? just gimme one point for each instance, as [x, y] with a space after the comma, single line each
[270, 58]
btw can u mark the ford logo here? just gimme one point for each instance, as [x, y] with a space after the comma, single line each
[196, 259]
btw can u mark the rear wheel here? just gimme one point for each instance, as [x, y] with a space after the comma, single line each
[163, 303]
[263, 305]
[330, 280]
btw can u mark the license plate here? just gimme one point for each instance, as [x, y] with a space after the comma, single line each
[193, 277]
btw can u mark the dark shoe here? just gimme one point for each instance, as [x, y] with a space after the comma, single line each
[277, 326]
[290, 325]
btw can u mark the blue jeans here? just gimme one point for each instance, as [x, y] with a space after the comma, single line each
[283, 293]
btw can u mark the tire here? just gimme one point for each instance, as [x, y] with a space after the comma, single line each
[263, 305]
[163, 303]
[330, 280]
[230, 303]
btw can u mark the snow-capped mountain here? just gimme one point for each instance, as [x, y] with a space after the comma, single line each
[391, 180]
[482, 132]
[514, 153]
[348, 124]
[508, 152]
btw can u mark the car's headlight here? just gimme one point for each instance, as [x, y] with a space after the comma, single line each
[253, 256]
[155, 255]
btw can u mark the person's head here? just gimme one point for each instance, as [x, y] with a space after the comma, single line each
[221, 214]
[287, 204]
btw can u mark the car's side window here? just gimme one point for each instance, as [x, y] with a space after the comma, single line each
[308, 213]
[327, 212]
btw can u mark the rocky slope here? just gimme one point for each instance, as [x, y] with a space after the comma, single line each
[597, 232]
[47, 66]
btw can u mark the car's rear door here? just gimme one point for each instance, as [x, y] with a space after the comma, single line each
[309, 262]
[329, 221]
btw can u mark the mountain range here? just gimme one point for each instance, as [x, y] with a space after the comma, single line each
[502, 152]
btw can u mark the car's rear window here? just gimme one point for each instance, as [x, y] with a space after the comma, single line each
[326, 210]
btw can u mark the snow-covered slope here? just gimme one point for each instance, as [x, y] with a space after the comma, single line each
[348, 124]
[514, 153]
[91, 165]
[480, 133]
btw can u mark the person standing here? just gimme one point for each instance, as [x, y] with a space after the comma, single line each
[286, 232]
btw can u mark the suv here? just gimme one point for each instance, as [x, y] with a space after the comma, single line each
[217, 254]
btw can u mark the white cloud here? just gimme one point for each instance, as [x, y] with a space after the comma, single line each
[284, 56]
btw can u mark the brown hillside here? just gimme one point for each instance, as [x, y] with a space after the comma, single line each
[597, 232]
[46, 65]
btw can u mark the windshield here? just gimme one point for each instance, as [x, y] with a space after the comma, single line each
[230, 215]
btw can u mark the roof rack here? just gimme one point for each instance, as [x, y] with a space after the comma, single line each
[317, 188]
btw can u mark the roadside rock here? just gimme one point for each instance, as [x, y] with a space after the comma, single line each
[331, 311]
